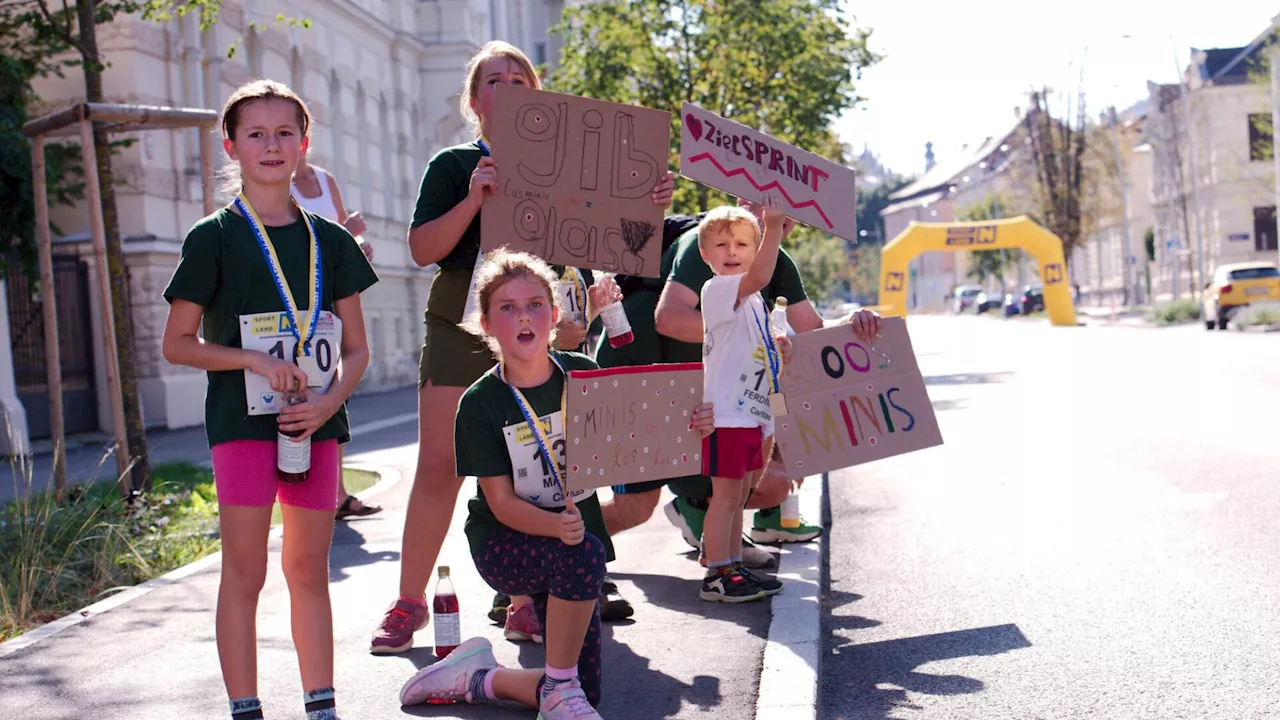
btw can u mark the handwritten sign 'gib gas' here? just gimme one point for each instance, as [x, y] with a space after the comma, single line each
[631, 424]
[749, 164]
[576, 179]
[849, 403]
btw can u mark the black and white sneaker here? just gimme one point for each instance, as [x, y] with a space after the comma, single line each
[730, 586]
[613, 607]
[770, 586]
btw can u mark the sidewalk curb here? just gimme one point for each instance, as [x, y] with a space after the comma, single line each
[387, 478]
[791, 668]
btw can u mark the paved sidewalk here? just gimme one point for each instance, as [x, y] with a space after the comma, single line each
[155, 656]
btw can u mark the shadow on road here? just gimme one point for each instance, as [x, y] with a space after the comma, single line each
[347, 551]
[681, 595]
[871, 680]
[967, 378]
[633, 690]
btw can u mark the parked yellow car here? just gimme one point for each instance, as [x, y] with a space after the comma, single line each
[1235, 286]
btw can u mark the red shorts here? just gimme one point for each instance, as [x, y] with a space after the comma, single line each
[732, 452]
[244, 472]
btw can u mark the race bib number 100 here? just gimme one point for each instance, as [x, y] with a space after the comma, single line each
[271, 333]
[530, 472]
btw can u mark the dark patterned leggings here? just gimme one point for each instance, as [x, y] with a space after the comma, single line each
[517, 564]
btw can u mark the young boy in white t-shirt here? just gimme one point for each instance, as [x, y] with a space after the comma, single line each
[742, 360]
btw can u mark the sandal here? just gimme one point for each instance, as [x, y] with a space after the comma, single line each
[352, 507]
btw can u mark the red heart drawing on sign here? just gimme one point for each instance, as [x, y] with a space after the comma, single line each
[694, 125]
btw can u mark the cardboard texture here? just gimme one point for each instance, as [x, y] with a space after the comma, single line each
[848, 404]
[576, 180]
[631, 424]
[747, 163]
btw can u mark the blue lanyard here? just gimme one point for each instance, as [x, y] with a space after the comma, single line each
[277, 273]
[484, 146]
[770, 349]
[535, 427]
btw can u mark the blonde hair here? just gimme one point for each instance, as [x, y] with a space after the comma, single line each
[724, 217]
[501, 267]
[247, 93]
[471, 82]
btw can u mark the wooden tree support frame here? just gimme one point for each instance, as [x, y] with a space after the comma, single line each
[79, 119]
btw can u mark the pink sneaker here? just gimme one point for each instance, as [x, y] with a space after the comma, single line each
[567, 702]
[522, 625]
[395, 634]
[447, 681]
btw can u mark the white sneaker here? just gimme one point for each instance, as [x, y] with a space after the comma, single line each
[446, 682]
[566, 702]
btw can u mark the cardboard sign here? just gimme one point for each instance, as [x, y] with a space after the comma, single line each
[747, 163]
[847, 403]
[575, 180]
[631, 424]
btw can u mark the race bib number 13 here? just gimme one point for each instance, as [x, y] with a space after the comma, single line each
[271, 333]
[530, 472]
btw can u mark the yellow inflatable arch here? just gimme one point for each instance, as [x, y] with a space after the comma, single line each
[1019, 232]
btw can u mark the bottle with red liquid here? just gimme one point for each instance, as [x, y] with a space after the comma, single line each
[445, 615]
[293, 456]
[616, 325]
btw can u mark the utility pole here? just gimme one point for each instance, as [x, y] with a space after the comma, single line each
[1130, 292]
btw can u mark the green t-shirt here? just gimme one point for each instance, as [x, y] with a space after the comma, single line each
[641, 305]
[691, 271]
[485, 410]
[446, 183]
[222, 269]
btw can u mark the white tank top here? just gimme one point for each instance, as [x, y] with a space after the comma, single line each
[322, 205]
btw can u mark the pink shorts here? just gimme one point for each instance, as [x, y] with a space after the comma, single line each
[244, 472]
[732, 452]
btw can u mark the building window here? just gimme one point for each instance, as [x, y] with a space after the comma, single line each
[1264, 228]
[1260, 147]
[539, 54]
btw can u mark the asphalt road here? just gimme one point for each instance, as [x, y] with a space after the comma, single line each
[1096, 539]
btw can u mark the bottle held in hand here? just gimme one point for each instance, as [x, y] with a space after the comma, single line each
[446, 617]
[778, 318]
[293, 455]
[616, 325]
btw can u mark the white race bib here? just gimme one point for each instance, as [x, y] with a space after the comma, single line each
[530, 472]
[572, 305]
[270, 333]
[751, 391]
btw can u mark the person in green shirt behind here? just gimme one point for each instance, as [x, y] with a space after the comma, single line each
[248, 274]
[678, 319]
[526, 536]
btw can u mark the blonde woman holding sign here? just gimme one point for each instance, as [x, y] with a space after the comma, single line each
[276, 291]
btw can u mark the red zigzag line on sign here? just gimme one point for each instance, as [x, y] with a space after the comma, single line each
[739, 171]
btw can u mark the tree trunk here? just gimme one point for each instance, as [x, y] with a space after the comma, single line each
[126, 365]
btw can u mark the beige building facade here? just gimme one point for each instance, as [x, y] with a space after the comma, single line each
[383, 79]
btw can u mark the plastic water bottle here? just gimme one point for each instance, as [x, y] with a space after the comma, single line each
[616, 325]
[447, 620]
[791, 511]
[778, 318]
[293, 455]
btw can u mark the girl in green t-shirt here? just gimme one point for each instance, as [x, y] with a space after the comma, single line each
[260, 278]
[526, 537]
[445, 231]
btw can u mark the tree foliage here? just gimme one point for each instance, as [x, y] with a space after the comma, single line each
[983, 264]
[862, 275]
[784, 66]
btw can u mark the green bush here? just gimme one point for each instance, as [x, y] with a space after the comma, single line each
[1267, 314]
[1178, 311]
[56, 557]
